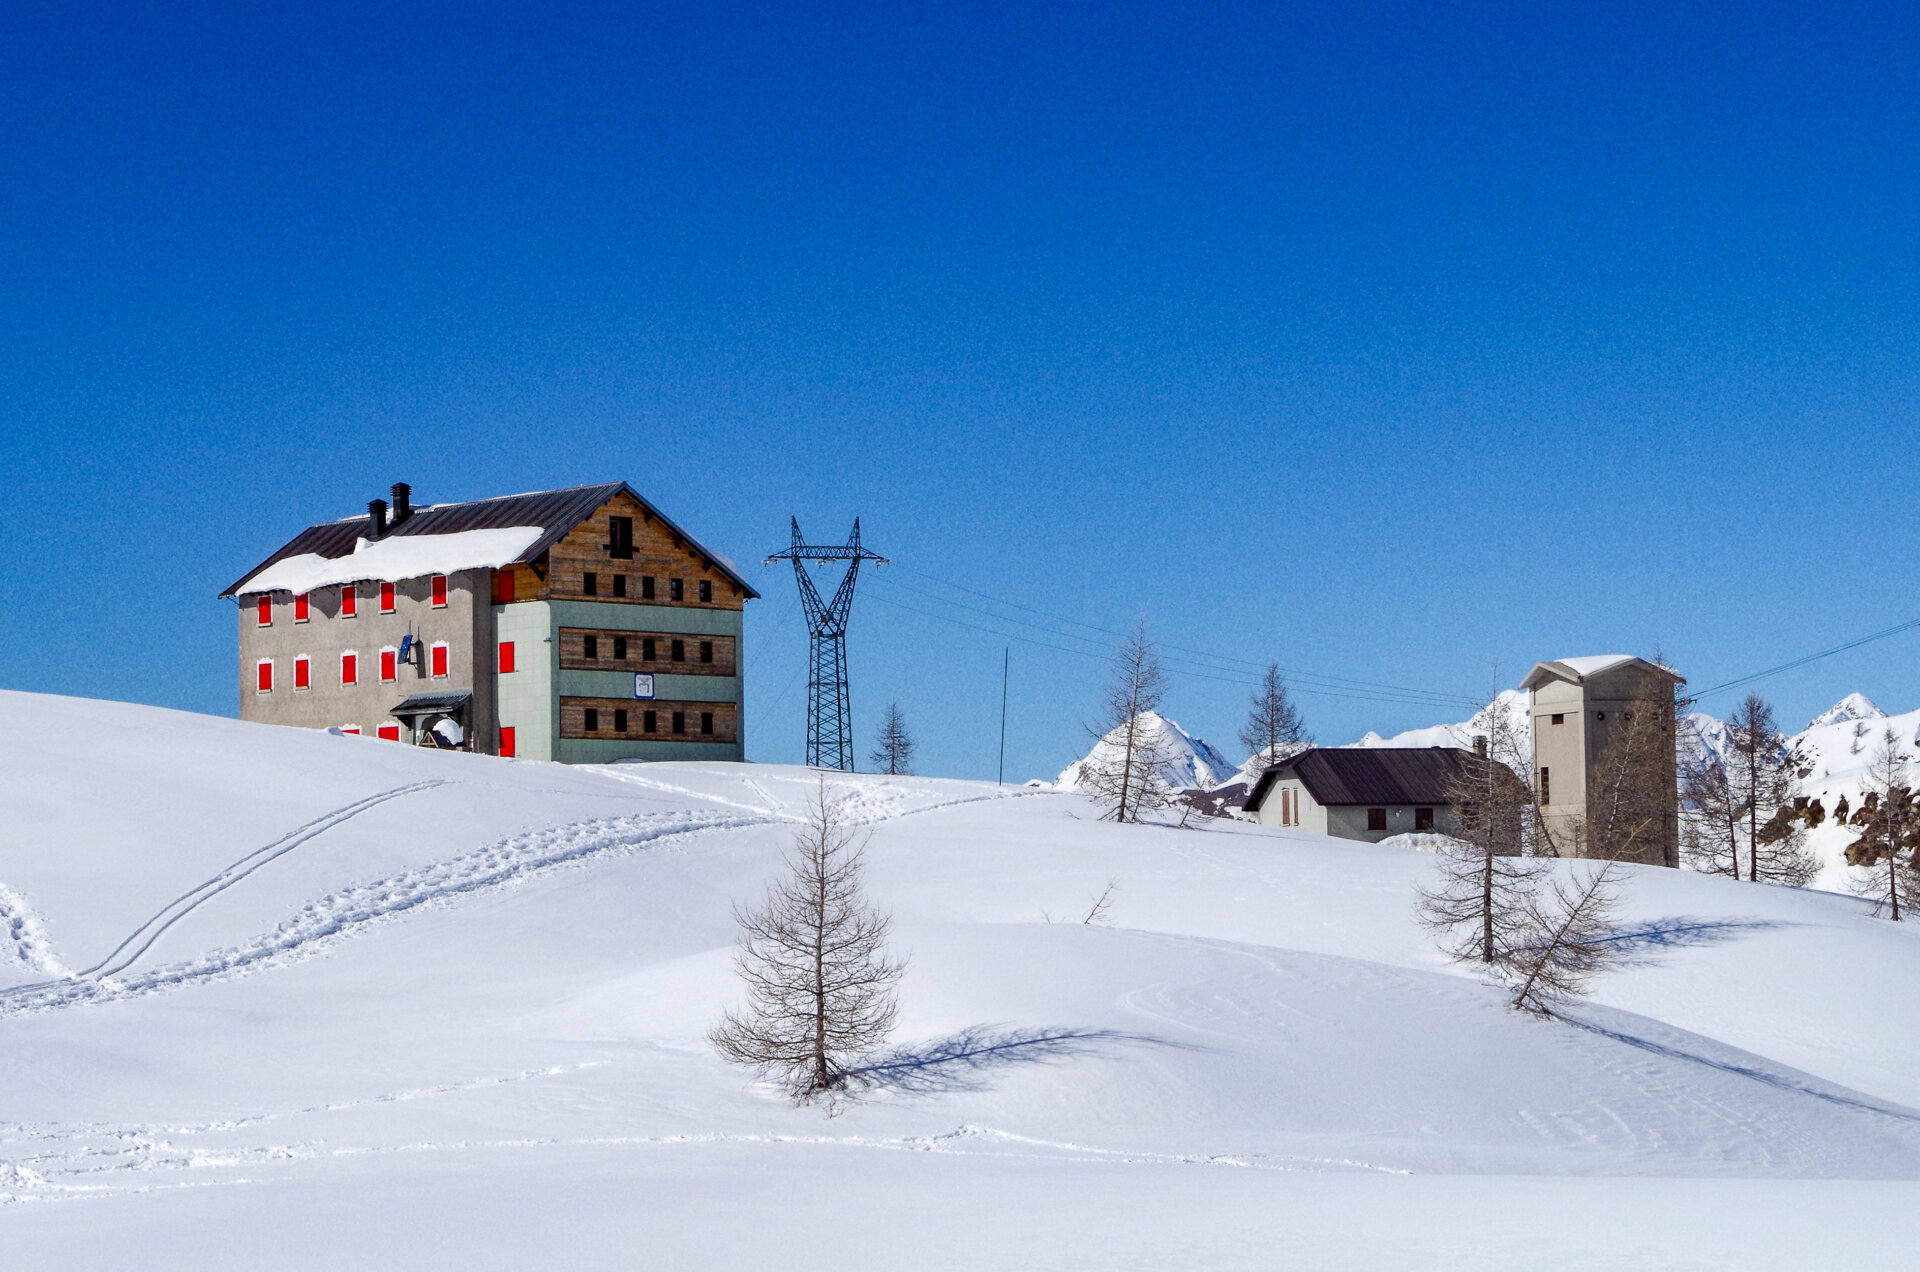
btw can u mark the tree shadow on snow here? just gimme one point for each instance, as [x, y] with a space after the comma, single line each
[1643, 942]
[965, 1061]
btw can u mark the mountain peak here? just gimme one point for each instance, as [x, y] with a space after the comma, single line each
[1186, 761]
[1855, 706]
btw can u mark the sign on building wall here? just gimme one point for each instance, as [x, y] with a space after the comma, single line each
[643, 684]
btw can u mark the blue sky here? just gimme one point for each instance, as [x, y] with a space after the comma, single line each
[1406, 344]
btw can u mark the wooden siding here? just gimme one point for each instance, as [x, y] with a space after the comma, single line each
[657, 553]
[573, 711]
[573, 652]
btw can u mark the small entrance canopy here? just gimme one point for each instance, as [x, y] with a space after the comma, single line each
[419, 710]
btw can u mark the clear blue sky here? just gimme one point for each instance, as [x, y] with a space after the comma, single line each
[1401, 343]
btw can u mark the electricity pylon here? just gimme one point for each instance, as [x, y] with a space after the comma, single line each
[829, 714]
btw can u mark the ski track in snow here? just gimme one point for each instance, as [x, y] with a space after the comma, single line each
[23, 936]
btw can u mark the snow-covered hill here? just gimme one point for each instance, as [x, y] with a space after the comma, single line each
[290, 1000]
[1186, 761]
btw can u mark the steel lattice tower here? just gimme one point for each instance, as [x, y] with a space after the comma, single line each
[829, 713]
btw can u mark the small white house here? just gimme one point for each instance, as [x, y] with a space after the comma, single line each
[1366, 793]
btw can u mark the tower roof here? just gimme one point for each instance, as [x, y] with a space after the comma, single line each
[1580, 670]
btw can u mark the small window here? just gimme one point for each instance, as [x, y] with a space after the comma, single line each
[503, 587]
[506, 740]
[679, 722]
[1599, 715]
[620, 586]
[620, 648]
[648, 651]
[706, 651]
[649, 722]
[590, 583]
[349, 603]
[706, 723]
[593, 719]
[350, 668]
[352, 729]
[263, 611]
[679, 651]
[389, 665]
[506, 657]
[300, 608]
[437, 657]
[676, 590]
[1559, 717]
[1423, 819]
[386, 598]
[388, 732]
[620, 539]
[590, 647]
[1376, 819]
[438, 590]
[619, 719]
[303, 672]
[1546, 787]
[646, 587]
[263, 676]
[706, 589]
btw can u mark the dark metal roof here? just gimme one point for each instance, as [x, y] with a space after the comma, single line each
[555, 511]
[1345, 775]
[420, 704]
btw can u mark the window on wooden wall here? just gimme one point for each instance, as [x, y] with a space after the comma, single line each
[506, 740]
[300, 608]
[263, 676]
[706, 651]
[350, 668]
[620, 587]
[679, 651]
[619, 719]
[302, 672]
[437, 589]
[706, 723]
[1376, 819]
[263, 611]
[506, 657]
[679, 722]
[349, 601]
[589, 646]
[706, 589]
[676, 590]
[619, 648]
[389, 664]
[386, 598]
[590, 584]
[649, 722]
[646, 587]
[593, 719]
[437, 660]
[647, 649]
[620, 538]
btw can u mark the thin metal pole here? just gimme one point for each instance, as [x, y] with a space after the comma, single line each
[1006, 657]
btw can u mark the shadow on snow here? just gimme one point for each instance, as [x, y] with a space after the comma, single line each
[964, 1061]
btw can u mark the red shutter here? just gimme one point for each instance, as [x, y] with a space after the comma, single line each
[503, 587]
[353, 729]
[386, 598]
[439, 591]
[389, 732]
[506, 657]
[349, 669]
[389, 665]
[263, 610]
[300, 608]
[440, 661]
[302, 674]
[349, 601]
[264, 674]
[506, 740]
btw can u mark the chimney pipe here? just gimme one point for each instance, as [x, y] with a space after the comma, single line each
[402, 502]
[1480, 745]
[377, 517]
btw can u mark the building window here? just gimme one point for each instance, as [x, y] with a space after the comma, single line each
[351, 729]
[386, 598]
[620, 538]
[506, 657]
[1599, 715]
[619, 719]
[300, 608]
[679, 651]
[619, 648]
[676, 590]
[1559, 718]
[706, 723]
[647, 649]
[593, 719]
[263, 611]
[590, 646]
[649, 722]
[350, 668]
[1546, 787]
[590, 583]
[437, 659]
[503, 587]
[1423, 819]
[388, 732]
[438, 591]
[506, 741]
[706, 651]
[679, 722]
[1376, 819]
[706, 589]
[302, 672]
[263, 676]
[349, 601]
[620, 587]
[389, 664]
[646, 587]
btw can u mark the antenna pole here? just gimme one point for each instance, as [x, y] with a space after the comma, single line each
[829, 705]
[1006, 660]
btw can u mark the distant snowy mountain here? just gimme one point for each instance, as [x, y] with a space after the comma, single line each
[1855, 706]
[1512, 703]
[1188, 761]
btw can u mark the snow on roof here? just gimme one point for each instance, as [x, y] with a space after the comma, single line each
[392, 559]
[1594, 664]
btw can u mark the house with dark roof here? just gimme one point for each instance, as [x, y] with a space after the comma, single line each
[579, 625]
[1366, 793]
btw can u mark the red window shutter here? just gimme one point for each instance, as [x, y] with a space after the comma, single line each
[439, 591]
[439, 660]
[389, 665]
[349, 601]
[349, 669]
[506, 740]
[264, 674]
[263, 611]
[503, 587]
[300, 608]
[354, 729]
[389, 732]
[386, 598]
[302, 674]
[506, 657]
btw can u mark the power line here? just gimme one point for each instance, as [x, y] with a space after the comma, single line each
[1882, 634]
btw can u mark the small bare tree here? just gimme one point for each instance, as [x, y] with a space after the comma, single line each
[894, 754]
[1633, 800]
[820, 983]
[1731, 802]
[1274, 729]
[1885, 855]
[1573, 940]
[1125, 767]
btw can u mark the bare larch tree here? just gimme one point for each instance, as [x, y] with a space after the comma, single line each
[820, 983]
[1885, 854]
[1274, 729]
[1478, 908]
[1730, 802]
[1125, 767]
[1633, 801]
[1573, 939]
[894, 753]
